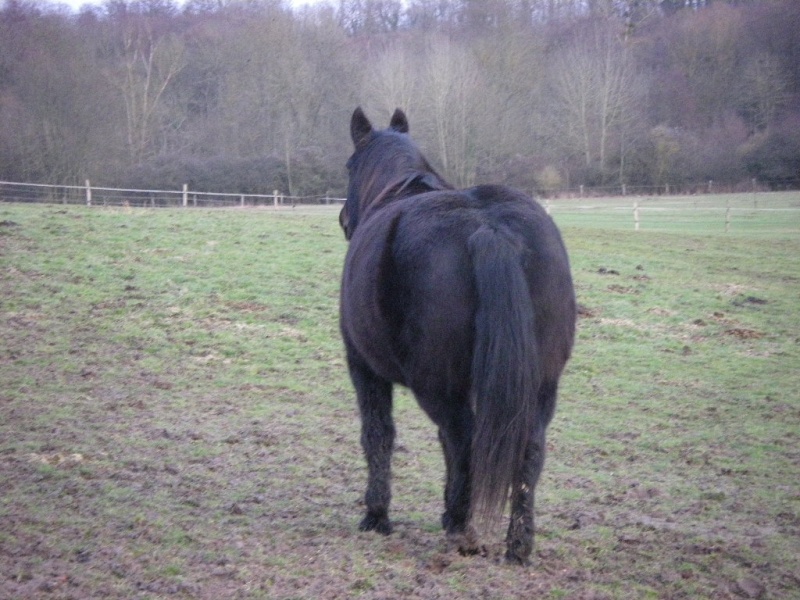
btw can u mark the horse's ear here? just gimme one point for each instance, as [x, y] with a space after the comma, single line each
[360, 127]
[399, 121]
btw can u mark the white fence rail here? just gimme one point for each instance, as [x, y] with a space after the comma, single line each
[749, 212]
[105, 196]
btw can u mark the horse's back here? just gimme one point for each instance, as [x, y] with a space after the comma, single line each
[409, 297]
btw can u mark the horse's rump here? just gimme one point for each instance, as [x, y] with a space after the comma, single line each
[409, 297]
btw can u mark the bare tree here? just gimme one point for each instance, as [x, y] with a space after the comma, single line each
[764, 89]
[392, 79]
[280, 90]
[706, 48]
[52, 106]
[511, 104]
[449, 98]
[143, 69]
[595, 90]
[523, 91]
[369, 17]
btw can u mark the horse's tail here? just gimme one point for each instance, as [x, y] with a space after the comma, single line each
[505, 369]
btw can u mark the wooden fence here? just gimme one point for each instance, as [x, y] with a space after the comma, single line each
[750, 212]
[90, 195]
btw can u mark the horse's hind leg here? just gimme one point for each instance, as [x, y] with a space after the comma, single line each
[377, 439]
[521, 528]
[455, 435]
[519, 541]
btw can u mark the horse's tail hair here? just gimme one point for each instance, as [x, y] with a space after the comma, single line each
[505, 369]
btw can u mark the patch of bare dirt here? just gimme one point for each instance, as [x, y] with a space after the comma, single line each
[744, 334]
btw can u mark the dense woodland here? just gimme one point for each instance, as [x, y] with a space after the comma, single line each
[252, 95]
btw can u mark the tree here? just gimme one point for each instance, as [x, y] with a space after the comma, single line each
[706, 47]
[595, 90]
[764, 90]
[283, 84]
[52, 106]
[773, 156]
[666, 153]
[430, 15]
[521, 91]
[142, 65]
[450, 106]
[392, 80]
[510, 126]
[369, 17]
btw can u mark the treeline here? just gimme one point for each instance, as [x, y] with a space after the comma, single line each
[250, 96]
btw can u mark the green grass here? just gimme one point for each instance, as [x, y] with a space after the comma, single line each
[745, 214]
[176, 418]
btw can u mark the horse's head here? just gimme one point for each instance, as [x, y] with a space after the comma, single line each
[385, 164]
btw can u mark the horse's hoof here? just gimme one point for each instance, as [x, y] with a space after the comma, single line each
[520, 560]
[378, 523]
[466, 542]
[448, 522]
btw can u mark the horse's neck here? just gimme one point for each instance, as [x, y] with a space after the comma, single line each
[396, 188]
[409, 184]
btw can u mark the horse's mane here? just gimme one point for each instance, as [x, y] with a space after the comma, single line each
[391, 166]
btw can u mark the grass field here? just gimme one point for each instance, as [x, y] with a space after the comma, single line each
[176, 419]
[761, 214]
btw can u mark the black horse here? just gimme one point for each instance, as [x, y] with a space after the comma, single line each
[466, 298]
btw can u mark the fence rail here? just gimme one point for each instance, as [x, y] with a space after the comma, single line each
[107, 196]
[751, 212]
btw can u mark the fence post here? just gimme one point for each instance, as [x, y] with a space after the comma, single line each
[241, 200]
[88, 193]
[581, 190]
[636, 215]
[624, 190]
[727, 219]
[275, 198]
[185, 194]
